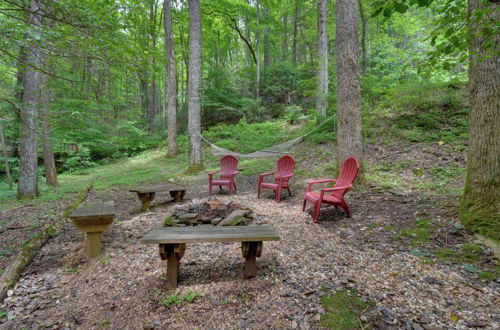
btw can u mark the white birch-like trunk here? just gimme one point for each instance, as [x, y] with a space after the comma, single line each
[172, 81]
[322, 78]
[194, 80]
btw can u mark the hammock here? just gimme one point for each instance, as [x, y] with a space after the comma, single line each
[276, 150]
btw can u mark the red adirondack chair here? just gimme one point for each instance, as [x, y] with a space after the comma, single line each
[348, 171]
[228, 169]
[283, 173]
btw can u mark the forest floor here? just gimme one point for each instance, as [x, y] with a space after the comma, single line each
[403, 258]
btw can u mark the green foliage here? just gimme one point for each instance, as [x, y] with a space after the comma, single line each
[293, 112]
[177, 299]
[480, 217]
[77, 158]
[343, 309]
[279, 82]
[2, 313]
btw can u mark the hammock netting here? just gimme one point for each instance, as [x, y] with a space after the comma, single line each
[276, 150]
[282, 148]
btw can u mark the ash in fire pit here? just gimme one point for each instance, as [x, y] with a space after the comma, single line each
[212, 212]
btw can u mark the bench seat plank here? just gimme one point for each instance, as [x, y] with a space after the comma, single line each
[161, 188]
[172, 235]
[94, 210]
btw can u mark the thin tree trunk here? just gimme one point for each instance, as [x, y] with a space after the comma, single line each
[194, 78]
[48, 153]
[257, 39]
[284, 56]
[480, 203]
[28, 178]
[295, 30]
[5, 156]
[349, 138]
[322, 80]
[172, 81]
[364, 23]
[267, 49]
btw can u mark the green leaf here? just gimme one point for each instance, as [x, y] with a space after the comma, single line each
[2, 313]
[388, 12]
[400, 7]
[423, 3]
[471, 269]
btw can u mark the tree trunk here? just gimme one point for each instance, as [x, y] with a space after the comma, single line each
[364, 23]
[172, 81]
[194, 79]
[349, 137]
[5, 156]
[296, 29]
[480, 203]
[322, 80]
[284, 55]
[27, 184]
[257, 39]
[267, 49]
[48, 153]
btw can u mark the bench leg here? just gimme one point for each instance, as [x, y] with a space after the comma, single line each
[173, 254]
[177, 195]
[250, 251]
[93, 244]
[146, 199]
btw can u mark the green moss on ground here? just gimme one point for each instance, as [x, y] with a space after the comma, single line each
[343, 310]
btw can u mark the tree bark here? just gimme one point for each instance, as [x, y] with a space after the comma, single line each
[172, 81]
[349, 137]
[322, 79]
[296, 29]
[364, 23]
[28, 178]
[5, 156]
[48, 153]
[267, 49]
[284, 54]
[194, 79]
[480, 202]
[257, 39]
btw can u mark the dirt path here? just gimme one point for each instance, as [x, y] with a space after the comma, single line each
[124, 288]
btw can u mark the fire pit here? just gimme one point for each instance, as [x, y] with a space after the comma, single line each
[210, 213]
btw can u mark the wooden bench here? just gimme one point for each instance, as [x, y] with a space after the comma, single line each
[92, 218]
[147, 194]
[172, 242]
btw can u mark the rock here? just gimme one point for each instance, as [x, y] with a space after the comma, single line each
[235, 218]
[187, 216]
[432, 280]
[430, 327]
[215, 205]
[294, 324]
[215, 221]
[10, 293]
[416, 326]
[424, 318]
[397, 192]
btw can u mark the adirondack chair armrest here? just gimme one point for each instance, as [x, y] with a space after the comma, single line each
[234, 173]
[310, 183]
[211, 174]
[324, 190]
[263, 175]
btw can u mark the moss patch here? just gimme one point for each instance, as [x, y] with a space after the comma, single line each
[343, 310]
[480, 218]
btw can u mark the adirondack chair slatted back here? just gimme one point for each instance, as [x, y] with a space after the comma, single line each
[348, 171]
[228, 165]
[284, 166]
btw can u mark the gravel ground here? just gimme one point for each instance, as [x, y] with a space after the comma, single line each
[124, 287]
